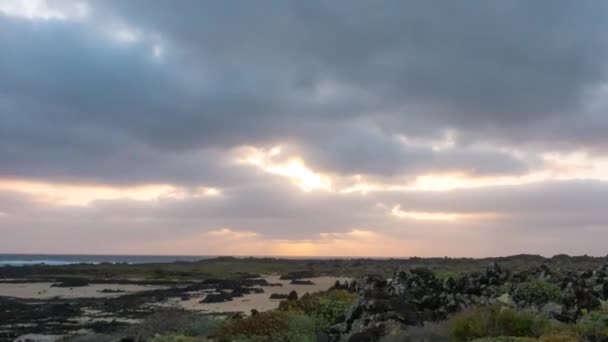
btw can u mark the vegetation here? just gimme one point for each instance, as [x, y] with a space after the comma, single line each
[506, 339]
[300, 320]
[594, 325]
[429, 332]
[228, 267]
[297, 320]
[178, 338]
[538, 292]
[306, 318]
[495, 321]
[323, 308]
[271, 326]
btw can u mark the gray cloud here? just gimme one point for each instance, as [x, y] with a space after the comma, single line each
[337, 83]
[514, 73]
[527, 213]
[480, 66]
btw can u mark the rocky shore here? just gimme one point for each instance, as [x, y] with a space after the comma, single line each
[58, 316]
[411, 298]
[105, 299]
[101, 306]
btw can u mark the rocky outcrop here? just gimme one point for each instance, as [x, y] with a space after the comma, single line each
[301, 282]
[418, 295]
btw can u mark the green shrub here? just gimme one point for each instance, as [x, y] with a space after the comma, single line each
[161, 322]
[429, 332]
[270, 326]
[323, 307]
[594, 325]
[538, 292]
[495, 322]
[178, 338]
[204, 326]
[545, 338]
[506, 339]
[560, 332]
[559, 337]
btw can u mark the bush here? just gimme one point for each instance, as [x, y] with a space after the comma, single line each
[323, 307]
[178, 338]
[559, 337]
[204, 326]
[506, 339]
[270, 326]
[594, 325]
[161, 322]
[537, 292]
[429, 332]
[495, 322]
[545, 338]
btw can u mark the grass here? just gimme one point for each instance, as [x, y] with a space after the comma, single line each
[495, 321]
[324, 308]
[594, 325]
[270, 326]
[537, 292]
[228, 267]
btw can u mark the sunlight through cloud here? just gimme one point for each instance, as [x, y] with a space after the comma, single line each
[42, 10]
[439, 216]
[84, 194]
[292, 167]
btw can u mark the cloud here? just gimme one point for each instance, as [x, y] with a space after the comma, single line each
[440, 125]
[71, 90]
[471, 70]
[322, 223]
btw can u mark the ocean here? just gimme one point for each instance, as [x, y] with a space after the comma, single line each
[67, 259]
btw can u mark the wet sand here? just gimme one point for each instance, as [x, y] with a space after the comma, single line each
[46, 291]
[38, 338]
[258, 301]
[90, 315]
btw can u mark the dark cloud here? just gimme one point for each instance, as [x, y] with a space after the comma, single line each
[352, 87]
[480, 66]
[367, 150]
[264, 73]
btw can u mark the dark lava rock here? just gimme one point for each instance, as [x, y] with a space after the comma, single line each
[413, 297]
[298, 275]
[301, 282]
[217, 297]
[105, 327]
[111, 291]
[279, 296]
[72, 283]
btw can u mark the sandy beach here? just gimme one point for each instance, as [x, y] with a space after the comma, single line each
[47, 291]
[89, 301]
[258, 301]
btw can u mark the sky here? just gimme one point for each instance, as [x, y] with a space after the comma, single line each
[304, 128]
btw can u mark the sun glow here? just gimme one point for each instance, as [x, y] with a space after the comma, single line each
[293, 168]
[229, 233]
[439, 216]
[552, 167]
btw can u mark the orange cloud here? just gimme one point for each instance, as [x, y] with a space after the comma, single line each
[226, 241]
[440, 216]
[83, 194]
[292, 167]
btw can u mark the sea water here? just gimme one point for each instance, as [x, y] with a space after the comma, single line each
[68, 259]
